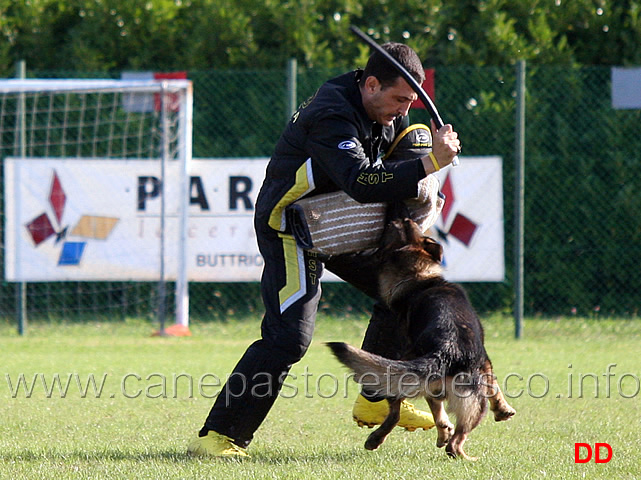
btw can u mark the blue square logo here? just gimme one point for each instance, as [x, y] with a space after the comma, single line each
[71, 253]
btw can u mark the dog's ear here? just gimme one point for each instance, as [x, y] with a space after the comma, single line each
[434, 249]
[413, 232]
[394, 235]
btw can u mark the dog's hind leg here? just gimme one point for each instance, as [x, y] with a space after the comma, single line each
[455, 448]
[469, 410]
[502, 410]
[441, 420]
[377, 437]
[499, 406]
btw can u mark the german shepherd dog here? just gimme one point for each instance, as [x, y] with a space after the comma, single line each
[445, 359]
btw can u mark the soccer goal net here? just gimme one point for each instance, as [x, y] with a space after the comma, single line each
[94, 196]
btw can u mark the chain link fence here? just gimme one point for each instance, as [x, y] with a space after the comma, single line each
[582, 224]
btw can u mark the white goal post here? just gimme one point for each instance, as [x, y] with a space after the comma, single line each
[57, 125]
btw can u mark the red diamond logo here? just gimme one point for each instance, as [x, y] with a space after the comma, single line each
[57, 197]
[448, 191]
[463, 229]
[40, 229]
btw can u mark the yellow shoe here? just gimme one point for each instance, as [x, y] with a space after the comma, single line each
[369, 414]
[215, 445]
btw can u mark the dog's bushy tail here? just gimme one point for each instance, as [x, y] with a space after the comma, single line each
[380, 375]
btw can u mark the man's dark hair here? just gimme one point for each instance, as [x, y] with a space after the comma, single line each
[378, 66]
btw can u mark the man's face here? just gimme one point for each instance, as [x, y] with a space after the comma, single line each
[383, 105]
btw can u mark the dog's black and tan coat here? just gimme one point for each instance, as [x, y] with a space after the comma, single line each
[445, 359]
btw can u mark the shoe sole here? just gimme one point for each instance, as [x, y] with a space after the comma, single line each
[412, 428]
[214, 456]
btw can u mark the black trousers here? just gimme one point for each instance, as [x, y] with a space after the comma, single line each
[291, 290]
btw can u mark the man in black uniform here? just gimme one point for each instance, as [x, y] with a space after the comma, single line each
[333, 142]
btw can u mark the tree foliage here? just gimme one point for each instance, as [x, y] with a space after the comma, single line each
[113, 35]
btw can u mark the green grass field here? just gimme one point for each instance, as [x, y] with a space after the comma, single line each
[152, 395]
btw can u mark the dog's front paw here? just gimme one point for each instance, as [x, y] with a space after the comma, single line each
[461, 454]
[455, 448]
[372, 443]
[375, 439]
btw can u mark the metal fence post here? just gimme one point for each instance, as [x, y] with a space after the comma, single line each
[162, 283]
[21, 290]
[182, 278]
[519, 187]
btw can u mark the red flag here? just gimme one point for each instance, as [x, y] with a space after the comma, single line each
[173, 104]
[428, 86]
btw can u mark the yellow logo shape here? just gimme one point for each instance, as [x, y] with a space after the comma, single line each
[92, 226]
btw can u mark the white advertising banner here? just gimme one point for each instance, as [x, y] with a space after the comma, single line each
[99, 219]
[470, 227]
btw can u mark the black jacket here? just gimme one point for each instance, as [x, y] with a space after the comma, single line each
[331, 144]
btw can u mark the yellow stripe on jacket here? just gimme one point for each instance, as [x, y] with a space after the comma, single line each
[303, 185]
